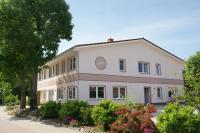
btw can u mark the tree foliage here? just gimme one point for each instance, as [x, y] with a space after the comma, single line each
[178, 118]
[192, 80]
[30, 33]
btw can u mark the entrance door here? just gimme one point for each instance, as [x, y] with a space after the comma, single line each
[147, 95]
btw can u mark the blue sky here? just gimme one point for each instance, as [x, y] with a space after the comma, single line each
[171, 24]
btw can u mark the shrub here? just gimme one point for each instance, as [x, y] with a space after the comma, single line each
[67, 119]
[137, 121]
[73, 109]
[103, 113]
[177, 118]
[86, 114]
[11, 100]
[50, 109]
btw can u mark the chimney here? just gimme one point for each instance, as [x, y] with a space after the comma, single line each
[110, 39]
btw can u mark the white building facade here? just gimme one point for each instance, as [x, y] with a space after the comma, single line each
[116, 70]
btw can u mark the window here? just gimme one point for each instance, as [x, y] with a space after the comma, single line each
[159, 92]
[53, 70]
[44, 95]
[71, 64]
[119, 92]
[97, 92]
[63, 67]
[60, 94]
[144, 67]
[57, 69]
[158, 69]
[171, 92]
[71, 92]
[44, 73]
[122, 65]
[50, 72]
[39, 76]
[51, 93]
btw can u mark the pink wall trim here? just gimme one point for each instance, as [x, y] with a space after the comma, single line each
[129, 79]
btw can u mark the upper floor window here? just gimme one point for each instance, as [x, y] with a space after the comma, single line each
[50, 72]
[63, 67]
[122, 65]
[144, 67]
[119, 92]
[71, 64]
[39, 76]
[159, 92]
[57, 69]
[71, 92]
[53, 70]
[158, 69]
[44, 73]
[97, 92]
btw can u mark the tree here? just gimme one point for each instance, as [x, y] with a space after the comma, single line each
[192, 80]
[29, 36]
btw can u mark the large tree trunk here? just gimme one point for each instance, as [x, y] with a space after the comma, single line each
[23, 95]
[34, 92]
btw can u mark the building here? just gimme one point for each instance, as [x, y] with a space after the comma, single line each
[115, 70]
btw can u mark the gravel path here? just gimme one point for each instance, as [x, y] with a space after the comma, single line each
[10, 124]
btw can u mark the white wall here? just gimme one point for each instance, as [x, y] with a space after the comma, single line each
[132, 52]
[135, 91]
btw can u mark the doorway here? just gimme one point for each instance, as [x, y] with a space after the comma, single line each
[147, 95]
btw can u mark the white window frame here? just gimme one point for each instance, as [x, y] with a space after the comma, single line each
[45, 75]
[57, 69]
[119, 88]
[53, 71]
[71, 64]
[96, 86]
[50, 72]
[158, 69]
[161, 93]
[58, 95]
[73, 92]
[175, 91]
[143, 68]
[124, 65]
[51, 95]
[63, 66]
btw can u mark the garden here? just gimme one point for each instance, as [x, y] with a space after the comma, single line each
[108, 116]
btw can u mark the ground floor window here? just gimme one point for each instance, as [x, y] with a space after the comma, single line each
[71, 92]
[60, 94]
[44, 95]
[97, 92]
[172, 92]
[51, 94]
[159, 92]
[119, 92]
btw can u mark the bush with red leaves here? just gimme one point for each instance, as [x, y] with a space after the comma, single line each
[137, 121]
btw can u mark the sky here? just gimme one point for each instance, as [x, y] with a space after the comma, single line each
[171, 24]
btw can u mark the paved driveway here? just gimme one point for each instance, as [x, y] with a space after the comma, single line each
[9, 124]
[160, 109]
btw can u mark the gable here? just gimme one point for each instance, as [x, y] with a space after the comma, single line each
[133, 42]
